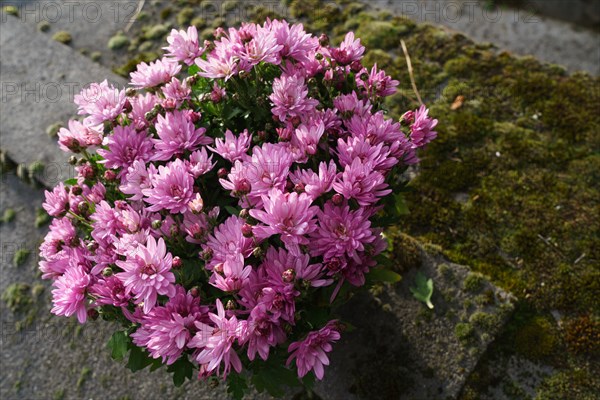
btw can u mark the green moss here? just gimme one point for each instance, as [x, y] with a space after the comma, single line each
[582, 335]
[463, 331]
[59, 394]
[63, 37]
[20, 257]
[10, 10]
[8, 216]
[485, 321]
[473, 282]
[199, 22]
[131, 65]
[579, 383]
[230, 5]
[118, 41]
[41, 217]
[44, 26]
[156, 32]
[536, 339]
[52, 130]
[83, 376]
[165, 13]
[96, 56]
[17, 297]
[185, 16]
[381, 34]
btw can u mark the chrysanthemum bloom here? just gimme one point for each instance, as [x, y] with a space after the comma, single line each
[263, 332]
[57, 201]
[166, 331]
[62, 236]
[140, 106]
[350, 105]
[69, 295]
[231, 275]
[78, 136]
[422, 128]
[341, 232]
[138, 178]
[184, 46]
[233, 147]
[175, 93]
[287, 214]
[267, 169]
[110, 291]
[377, 84]
[378, 156]
[155, 73]
[147, 272]
[172, 188]
[215, 342]
[307, 137]
[177, 133]
[262, 47]
[316, 184]
[125, 146]
[311, 353]
[227, 242]
[106, 222]
[361, 182]
[289, 97]
[350, 50]
[100, 102]
[200, 162]
[283, 267]
[295, 42]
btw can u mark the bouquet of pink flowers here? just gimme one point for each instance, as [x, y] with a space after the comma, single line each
[226, 202]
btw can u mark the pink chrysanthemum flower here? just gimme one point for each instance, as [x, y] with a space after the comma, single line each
[231, 275]
[361, 182]
[295, 42]
[200, 162]
[184, 46]
[140, 105]
[101, 102]
[111, 291]
[311, 353]
[354, 148]
[289, 97]
[377, 84]
[341, 232]
[283, 267]
[78, 136]
[306, 138]
[147, 272]
[138, 178]
[316, 184]
[175, 93]
[125, 146]
[155, 73]
[349, 105]
[350, 50]
[228, 242]
[263, 332]
[233, 147]
[166, 331]
[177, 133]
[287, 214]
[216, 341]
[263, 47]
[57, 201]
[69, 295]
[172, 188]
[268, 168]
[421, 131]
[106, 222]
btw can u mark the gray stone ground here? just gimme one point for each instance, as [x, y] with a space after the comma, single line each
[398, 346]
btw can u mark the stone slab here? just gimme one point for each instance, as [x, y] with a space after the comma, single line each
[402, 350]
[39, 78]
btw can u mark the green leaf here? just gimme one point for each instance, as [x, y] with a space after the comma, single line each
[232, 210]
[423, 289]
[236, 385]
[71, 182]
[193, 70]
[274, 378]
[401, 206]
[118, 345]
[181, 369]
[384, 275]
[139, 359]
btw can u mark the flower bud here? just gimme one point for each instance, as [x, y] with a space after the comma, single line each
[207, 254]
[230, 305]
[356, 66]
[288, 275]
[93, 314]
[299, 187]
[83, 208]
[247, 230]
[76, 190]
[177, 262]
[197, 204]
[156, 224]
[222, 173]
[243, 186]
[244, 213]
[73, 160]
[194, 291]
[130, 92]
[92, 246]
[110, 175]
[337, 199]
[324, 40]
[106, 272]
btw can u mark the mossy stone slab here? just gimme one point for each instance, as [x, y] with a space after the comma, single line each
[39, 79]
[400, 349]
